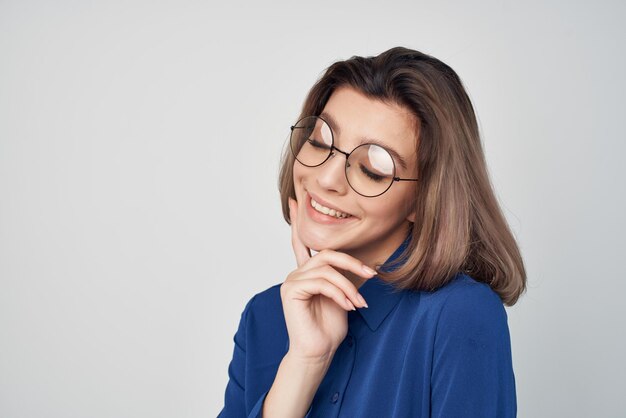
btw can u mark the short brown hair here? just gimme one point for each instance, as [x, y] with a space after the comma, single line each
[459, 226]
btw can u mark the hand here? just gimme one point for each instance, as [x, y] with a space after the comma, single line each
[316, 296]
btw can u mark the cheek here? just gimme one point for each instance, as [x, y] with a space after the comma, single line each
[382, 207]
[386, 210]
[297, 173]
[297, 177]
[299, 181]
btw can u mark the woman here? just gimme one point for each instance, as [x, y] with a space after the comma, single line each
[385, 171]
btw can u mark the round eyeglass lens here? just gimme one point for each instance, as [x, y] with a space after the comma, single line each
[311, 141]
[370, 170]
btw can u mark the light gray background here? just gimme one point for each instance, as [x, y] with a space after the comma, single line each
[139, 212]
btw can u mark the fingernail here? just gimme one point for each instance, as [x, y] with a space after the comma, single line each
[350, 304]
[368, 270]
[360, 298]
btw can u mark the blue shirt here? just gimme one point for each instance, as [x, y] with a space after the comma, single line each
[445, 353]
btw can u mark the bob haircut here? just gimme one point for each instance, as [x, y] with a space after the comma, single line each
[459, 224]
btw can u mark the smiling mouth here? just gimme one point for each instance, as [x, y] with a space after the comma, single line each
[327, 211]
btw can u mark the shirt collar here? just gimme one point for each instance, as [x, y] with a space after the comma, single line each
[381, 296]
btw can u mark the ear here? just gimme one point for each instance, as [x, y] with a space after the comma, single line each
[411, 217]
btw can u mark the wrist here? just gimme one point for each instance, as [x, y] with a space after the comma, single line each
[313, 362]
[297, 379]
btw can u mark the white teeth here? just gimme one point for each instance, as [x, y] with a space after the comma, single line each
[328, 211]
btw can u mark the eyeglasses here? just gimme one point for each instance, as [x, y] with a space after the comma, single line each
[370, 169]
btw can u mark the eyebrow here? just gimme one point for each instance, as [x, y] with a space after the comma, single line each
[366, 140]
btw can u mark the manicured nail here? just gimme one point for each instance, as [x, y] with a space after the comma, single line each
[368, 270]
[350, 304]
[360, 298]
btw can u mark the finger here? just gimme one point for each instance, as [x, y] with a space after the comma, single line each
[337, 279]
[306, 289]
[302, 253]
[343, 261]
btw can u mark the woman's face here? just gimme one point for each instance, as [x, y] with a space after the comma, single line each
[377, 225]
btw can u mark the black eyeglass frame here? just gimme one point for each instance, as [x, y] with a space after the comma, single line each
[347, 154]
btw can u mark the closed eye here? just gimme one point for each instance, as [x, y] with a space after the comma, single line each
[373, 176]
[317, 144]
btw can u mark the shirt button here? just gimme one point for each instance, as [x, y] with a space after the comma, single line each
[350, 341]
[334, 398]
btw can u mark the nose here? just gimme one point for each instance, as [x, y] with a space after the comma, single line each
[331, 174]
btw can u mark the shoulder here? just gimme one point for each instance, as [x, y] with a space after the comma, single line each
[469, 307]
[464, 294]
[472, 368]
[266, 302]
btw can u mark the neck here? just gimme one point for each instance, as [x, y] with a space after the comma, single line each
[356, 280]
[374, 257]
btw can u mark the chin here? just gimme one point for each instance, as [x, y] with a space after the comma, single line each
[317, 243]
